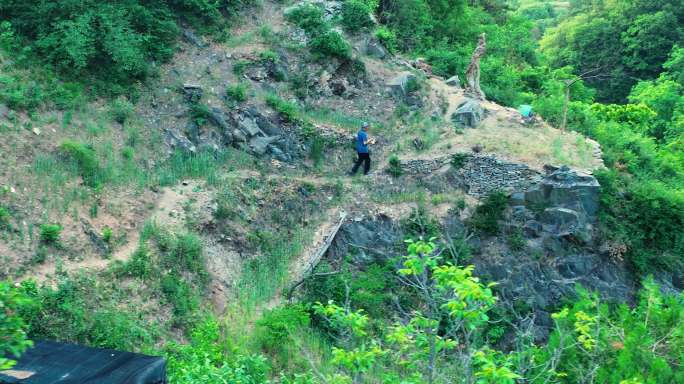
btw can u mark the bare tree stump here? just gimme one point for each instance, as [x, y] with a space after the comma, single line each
[473, 72]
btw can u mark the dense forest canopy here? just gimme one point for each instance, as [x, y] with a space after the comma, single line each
[618, 68]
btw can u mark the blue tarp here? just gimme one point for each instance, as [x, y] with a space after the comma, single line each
[525, 110]
[58, 363]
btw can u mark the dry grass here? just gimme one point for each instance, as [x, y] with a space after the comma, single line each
[502, 133]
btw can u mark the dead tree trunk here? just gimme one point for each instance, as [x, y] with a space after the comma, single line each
[473, 72]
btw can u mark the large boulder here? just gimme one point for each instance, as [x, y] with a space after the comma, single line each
[375, 49]
[399, 85]
[469, 114]
[454, 81]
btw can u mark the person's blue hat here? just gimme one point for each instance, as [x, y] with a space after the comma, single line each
[365, 125]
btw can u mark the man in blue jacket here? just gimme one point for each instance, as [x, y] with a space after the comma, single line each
[362, 143]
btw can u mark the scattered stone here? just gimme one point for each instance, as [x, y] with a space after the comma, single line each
[278, 153]
[338, 86]
[562, 220]
[569, 189]
[532, 228]
[256, 73]
[192, 93]
[259, 145]
[414, 100]
[477, 148]
[36, 131]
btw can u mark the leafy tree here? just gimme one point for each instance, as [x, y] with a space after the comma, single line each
[453, 307]
[595, 342]
[13, 328]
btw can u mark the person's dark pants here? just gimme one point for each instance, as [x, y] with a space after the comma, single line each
[365, 159]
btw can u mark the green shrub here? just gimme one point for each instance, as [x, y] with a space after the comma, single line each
[286, 109]
[387, 38]
[49, 233]
[128, 153]
[107, 234]
[127, 37]
[139, 265]
[208, 359]
[14, 340]
[40, 256]
[316, 149]
[85, 310]
[181, 296]
[638, 217]
[121, 110]
[458, 160]
[356, 15]
[330, 44]
[186, 254]
[85, 160]
[487, 215]
[420, 224]
[274, 328]
[395, 166]
[269, 56]
[308, 17]
[237, 93]
[516, 240]
[200, 113]
[4, 217]
[241, 66]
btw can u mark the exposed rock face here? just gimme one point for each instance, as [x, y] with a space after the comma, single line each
[367, 240]
[569, 189]
[245, 128]
[530, 281]
[565, 203]
[469, 114]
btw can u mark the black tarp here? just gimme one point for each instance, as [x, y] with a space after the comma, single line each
[49, 362]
